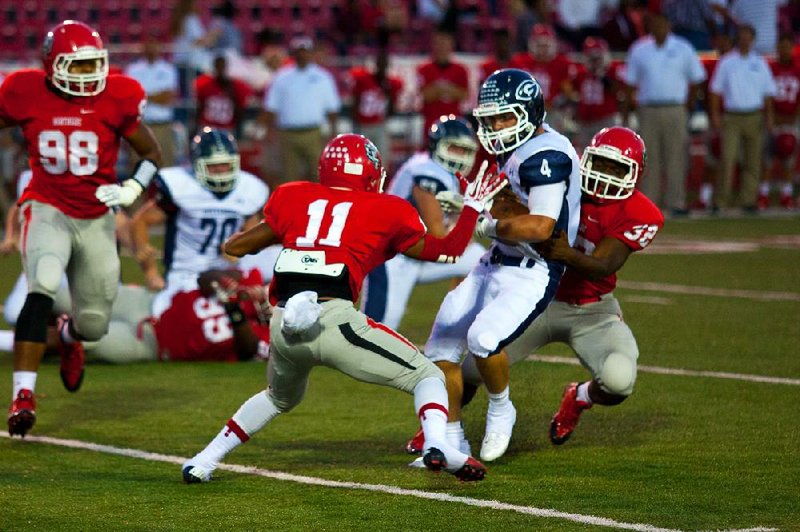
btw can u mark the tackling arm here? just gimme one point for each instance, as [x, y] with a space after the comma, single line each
[429, 210]
[607, 258]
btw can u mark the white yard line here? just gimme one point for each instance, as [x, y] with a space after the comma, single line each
[381, 488]
[678, 371]
[762, 295]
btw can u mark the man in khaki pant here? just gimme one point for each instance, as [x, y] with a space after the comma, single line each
[744, 82]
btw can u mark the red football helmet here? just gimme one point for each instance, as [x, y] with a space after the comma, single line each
[351, 161]
[612, 164]
[71, 42]
[785, 144]
[542, 43]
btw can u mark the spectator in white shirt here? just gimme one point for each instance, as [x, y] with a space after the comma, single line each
[744, 82]
[300, 100]
[667, 73]
[159, 79]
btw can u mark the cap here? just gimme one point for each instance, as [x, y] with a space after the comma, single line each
[301, 43]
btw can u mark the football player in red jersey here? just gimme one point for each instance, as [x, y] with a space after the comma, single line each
[782, 144]
[334, 232]
[72, 114]
[225, 320]
[616, 220]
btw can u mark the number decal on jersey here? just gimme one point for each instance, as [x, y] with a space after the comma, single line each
[642, 234]
[76, 153]
[545, 169]
[216, 325]
[217, 233]
[316, 211]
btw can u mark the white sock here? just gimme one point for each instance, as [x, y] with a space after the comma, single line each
[763, 189]
[430, 403]
[23, 379]
[706, 192]
[583, 392]
[249, 419]
[499, 401]
[64, 333]
[7, 341]
[455, 433]
[787, 190]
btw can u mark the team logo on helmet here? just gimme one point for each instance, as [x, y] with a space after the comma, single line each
[526, 90]
[372, 153]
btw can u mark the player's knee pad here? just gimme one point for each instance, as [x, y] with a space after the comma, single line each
[47, 274]
[32, 321]
[90, 325]
[617, 375]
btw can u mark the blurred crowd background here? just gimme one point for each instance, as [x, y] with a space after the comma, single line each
[396, 65]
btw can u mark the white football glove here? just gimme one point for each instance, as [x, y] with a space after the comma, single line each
[119, 195]
[485, 187]
[486, 226]
[451, 202]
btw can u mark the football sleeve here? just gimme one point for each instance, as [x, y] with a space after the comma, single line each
[545, 175]
[637, 224]
[409, 227]
[132, 106]
[429, 183]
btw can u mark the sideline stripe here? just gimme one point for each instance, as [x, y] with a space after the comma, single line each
[764, 295]
[676, 371]
[381, 488]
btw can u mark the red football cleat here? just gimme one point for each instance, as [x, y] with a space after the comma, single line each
[471, 471]
[72, 359]
[22, 413]
[787, 202]
[416, 444]
[566, 419]
[762, 202]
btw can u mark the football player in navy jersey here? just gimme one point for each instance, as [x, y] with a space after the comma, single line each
[513, 283]
[451, 151]
[201, 208]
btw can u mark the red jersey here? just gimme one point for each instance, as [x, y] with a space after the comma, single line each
[550, 75]
[358, 229]
[633, 221]
[430, 74]
[370, 101]
[217, 104]
[196, 327]
[598, 93]
[72, 142]
[787, 80]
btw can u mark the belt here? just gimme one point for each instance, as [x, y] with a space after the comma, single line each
[498, 257]
[581, 300]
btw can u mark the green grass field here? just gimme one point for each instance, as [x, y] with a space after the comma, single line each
[684, 452]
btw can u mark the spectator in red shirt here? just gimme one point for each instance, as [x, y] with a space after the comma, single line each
[502, 54]
[374, 100]
[782, 143]
[597, 87]
[221, 99]
[443, 83]
[553, 71]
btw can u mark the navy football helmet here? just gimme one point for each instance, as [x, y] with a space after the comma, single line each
[451, 143]
[508, 91]
[215, 159]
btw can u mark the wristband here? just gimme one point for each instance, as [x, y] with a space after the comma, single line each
[144, 172]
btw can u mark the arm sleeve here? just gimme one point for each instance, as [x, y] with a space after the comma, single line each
[410, 227]
[431, 184]
[271, 211]
[7, 99]
[638, 225]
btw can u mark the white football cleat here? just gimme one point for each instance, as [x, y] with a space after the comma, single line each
[498, 433]
[194, 473]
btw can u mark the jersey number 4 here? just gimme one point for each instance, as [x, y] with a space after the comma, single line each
[316, 212]
[76, 152]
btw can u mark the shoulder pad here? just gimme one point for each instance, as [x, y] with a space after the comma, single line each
[545, 167]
